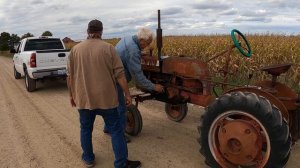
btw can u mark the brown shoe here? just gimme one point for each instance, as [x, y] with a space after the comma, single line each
[88, 164]
[133, 164]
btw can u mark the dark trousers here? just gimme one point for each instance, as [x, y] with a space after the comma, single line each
[112, 121]
[121, 108]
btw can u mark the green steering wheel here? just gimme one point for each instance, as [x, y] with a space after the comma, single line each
[245, 51]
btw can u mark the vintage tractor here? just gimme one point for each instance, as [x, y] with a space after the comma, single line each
[246, 126]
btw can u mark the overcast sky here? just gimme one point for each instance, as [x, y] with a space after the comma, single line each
[124, 17]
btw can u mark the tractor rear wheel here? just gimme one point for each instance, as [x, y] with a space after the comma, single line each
[134, 122]
[176, 112]
[241, 129]
[295, 124]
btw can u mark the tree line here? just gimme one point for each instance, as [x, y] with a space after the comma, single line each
[7, 40]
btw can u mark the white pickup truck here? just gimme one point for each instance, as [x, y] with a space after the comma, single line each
[37, 58]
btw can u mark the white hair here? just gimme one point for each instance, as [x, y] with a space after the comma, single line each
[145, 34]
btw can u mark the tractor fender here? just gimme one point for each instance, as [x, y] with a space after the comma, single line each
[273, 100]
[284, 93]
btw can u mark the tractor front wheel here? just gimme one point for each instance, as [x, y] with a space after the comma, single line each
[176, 112]
[244, 130]
[134, 123]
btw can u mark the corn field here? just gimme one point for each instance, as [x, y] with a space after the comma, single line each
[267, 49]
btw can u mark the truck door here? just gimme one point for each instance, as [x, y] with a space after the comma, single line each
[17, 60]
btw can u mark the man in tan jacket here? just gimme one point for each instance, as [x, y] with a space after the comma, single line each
[94, 68]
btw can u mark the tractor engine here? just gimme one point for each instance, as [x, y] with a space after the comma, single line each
[185, 79]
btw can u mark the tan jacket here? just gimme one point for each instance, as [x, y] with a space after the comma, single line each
[93, 67]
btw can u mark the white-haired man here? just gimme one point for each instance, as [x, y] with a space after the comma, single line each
[129, 49]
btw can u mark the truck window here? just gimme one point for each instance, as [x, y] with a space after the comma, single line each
[43, 44]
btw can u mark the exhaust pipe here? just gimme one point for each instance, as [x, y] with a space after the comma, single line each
[159, 41]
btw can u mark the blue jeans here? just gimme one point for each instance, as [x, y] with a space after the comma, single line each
[121, 108]
[112, 121]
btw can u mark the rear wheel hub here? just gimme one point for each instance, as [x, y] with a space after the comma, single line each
[239, 142]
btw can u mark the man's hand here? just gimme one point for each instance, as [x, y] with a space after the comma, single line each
[159, 88]
[70, 92]
[72, 102]
[128, 100]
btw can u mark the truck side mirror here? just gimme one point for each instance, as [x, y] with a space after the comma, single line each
[12, 50]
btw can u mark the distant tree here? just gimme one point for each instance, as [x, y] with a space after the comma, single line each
[27, 35]
[14, 38]
[47, 33]
[4, 41]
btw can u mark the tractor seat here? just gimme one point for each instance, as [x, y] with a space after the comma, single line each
[276, 70]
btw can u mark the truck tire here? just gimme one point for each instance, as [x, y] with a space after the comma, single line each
[241, 129]
[30, 84]
[134, 122]
[176, 112]
[17, 75]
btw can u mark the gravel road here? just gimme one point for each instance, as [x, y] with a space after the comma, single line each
[41, 130]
